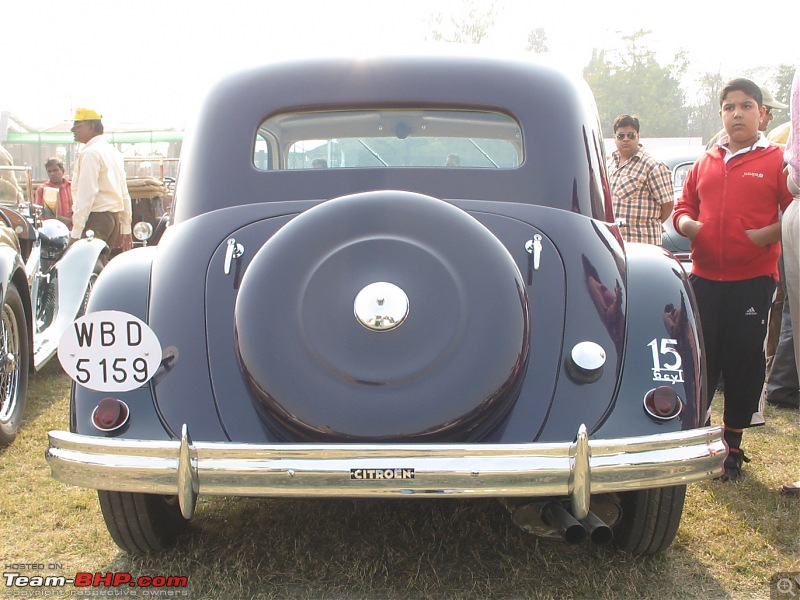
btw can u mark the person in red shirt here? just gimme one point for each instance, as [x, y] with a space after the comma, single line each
[55, 194]
[730, 210]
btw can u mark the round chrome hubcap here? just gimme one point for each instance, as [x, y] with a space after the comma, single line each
[381, 306]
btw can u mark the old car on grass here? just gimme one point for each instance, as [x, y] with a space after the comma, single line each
[46, 285]
[15, 320]
[409, 284]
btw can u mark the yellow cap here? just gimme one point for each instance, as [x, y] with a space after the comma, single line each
[780, 135]
[86, 114]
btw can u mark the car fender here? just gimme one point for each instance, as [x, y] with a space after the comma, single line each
[12, 269]
[663, 345]
[123, 285]
[10, 261]
[74, 271]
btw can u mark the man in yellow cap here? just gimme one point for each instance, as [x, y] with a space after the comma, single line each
[99, 188]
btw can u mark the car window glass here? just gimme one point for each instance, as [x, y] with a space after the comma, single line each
[679, 176]
[388, 138]
[263, 153]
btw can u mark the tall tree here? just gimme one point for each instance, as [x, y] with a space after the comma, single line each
[472, 28]
[704, 119]
[782, 87]
[632, 81]
[537, 41]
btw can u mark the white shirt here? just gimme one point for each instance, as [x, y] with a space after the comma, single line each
[761, 142]
[99, 185]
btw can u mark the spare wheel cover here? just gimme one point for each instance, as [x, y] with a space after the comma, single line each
[453, 363]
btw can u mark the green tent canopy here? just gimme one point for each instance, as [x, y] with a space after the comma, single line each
[115, 137]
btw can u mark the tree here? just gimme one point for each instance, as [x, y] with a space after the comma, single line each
[632, 81]
[537, 41]
[781, 90]
[704, 119]
[471, 29]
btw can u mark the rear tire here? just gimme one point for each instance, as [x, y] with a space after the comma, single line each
[650, 519]
[142, 523]
[14, 365]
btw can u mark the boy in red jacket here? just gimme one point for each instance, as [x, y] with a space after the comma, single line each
[730, 211]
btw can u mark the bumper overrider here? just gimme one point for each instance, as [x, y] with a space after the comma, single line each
[574, 470]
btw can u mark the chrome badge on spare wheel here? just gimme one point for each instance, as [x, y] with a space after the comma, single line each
[381, 306]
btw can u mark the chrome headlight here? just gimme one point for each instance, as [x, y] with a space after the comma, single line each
[142, 231]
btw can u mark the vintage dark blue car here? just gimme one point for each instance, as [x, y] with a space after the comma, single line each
[393, 277]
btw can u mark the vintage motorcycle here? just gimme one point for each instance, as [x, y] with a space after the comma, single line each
[59, 279]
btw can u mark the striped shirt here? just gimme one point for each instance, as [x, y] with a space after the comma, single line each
[639, 186]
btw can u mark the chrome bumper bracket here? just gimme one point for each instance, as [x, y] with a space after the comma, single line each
[188, 481]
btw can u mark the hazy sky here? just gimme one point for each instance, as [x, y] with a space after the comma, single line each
[148, 62]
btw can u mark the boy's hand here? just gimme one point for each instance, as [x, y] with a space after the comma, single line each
[689, 227]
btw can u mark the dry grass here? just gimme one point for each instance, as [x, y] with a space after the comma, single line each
[732, 540]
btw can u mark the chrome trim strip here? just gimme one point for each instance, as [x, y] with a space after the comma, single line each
[575, 470]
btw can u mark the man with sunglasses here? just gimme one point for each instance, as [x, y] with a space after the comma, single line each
[641, 186]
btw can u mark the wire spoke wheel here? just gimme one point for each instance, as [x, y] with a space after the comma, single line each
[13, 365]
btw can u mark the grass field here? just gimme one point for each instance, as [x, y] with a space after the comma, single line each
[733, 539]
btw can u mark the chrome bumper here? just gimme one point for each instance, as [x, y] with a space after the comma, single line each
[575, 470]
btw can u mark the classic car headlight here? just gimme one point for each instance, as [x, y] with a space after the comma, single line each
[55, 237]
[142, 231]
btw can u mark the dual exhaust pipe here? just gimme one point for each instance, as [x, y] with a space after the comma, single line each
[574, 531]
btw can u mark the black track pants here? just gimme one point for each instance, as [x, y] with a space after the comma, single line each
[733, 317]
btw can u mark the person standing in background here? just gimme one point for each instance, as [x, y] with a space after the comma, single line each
[641, 186]
[791, 233]
[730, 210]
[101, 201]
[55, 194]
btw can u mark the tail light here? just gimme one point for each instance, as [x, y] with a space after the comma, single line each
[663, 403]
[110, 414]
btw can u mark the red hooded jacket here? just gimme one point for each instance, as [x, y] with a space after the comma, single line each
[730, 198]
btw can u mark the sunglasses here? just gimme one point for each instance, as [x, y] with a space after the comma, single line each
[631, 135]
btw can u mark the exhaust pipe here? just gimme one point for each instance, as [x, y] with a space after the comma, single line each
[568, 526]
[551, 520]
[600, 533]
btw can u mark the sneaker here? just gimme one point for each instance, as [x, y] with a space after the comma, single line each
[733, 464]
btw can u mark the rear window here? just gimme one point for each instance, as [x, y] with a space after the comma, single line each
[679, 176]
[380, 138]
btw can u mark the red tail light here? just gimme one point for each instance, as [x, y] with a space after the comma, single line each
[110, 414]
[663, 403]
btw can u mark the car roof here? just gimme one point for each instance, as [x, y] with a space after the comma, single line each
[674, 156]
[562, 142]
